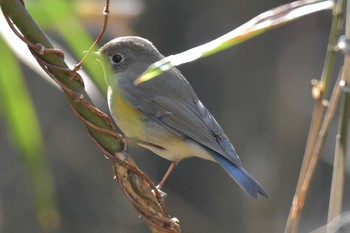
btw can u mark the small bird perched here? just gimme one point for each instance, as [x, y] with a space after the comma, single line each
[164, 114]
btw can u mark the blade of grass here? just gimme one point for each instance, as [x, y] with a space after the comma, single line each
[254, 27]
[26, 134]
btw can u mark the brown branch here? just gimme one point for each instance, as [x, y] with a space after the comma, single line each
[337, 188]
[319, 92]
[138, 187]
[99, 37]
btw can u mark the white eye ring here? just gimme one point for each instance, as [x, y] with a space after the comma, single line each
[117, 58]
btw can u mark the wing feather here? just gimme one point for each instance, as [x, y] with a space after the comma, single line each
[175, 106]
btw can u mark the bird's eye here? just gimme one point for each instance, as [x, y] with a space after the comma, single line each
[117, 58]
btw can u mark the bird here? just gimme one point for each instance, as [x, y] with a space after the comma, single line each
[164, 114]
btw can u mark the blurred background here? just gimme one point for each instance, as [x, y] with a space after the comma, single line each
[258, 91]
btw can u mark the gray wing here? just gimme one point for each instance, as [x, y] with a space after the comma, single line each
[171, 101]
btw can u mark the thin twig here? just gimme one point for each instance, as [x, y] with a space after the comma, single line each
[321, 88]
[321, 137]
[99, 37]
[37, 47]
[336, 195]
[337, 187]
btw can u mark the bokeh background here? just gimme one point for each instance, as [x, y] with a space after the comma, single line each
[258, 91]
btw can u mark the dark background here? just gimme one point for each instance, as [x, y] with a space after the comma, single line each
[258, 91]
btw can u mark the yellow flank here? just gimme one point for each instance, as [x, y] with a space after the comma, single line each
[134, 125]
[126, 116]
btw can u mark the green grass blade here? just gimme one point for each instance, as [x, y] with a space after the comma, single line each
[254, 27]
[25, 132]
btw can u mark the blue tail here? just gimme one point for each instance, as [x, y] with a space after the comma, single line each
[241, 176]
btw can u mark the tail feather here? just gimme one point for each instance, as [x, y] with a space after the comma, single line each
[241, 176]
